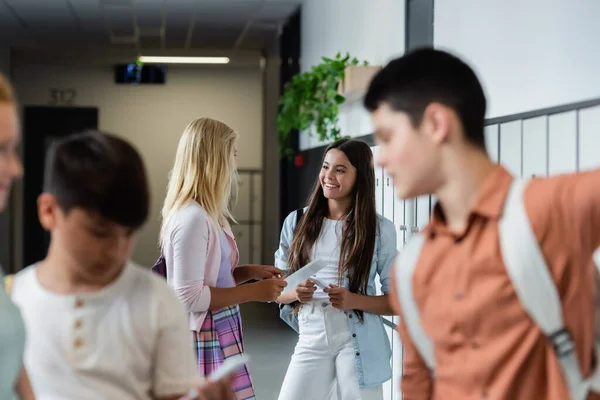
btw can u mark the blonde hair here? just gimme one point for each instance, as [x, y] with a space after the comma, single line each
[204, 172]
[7, 94]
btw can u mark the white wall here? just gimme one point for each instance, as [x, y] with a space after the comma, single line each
[529, 54]
[153, 117]
[368, 32]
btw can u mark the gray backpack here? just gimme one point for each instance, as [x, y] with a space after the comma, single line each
[533, 283]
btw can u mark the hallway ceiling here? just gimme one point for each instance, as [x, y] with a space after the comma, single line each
[139, 25]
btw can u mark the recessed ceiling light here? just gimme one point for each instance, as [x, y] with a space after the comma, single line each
[184, 60]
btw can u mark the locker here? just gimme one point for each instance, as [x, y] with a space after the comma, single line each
[399, 221]
[562, 143]
[256, 244]
[422, 211]
[535, 147]
[389, 196]
[241, 202]
[410, 218]
[589, 140]
[257, 197]
[510, 147]
[432, 204]
[491, 141]
[378, 184]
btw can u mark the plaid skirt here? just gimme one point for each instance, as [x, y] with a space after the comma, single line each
[220, 338]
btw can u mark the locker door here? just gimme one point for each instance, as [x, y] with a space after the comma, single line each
[257, 244]
[241, 204]
[589, 140]
[535, 147]
[422, 211]
[389, 196]
[562, 143]
[378, 184]
[379, 201]
[491, 141]
[432, 204]
[410, 218]
[399, 221]
[510, 147]
[257, 197]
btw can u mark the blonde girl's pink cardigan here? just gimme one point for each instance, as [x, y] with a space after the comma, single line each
[192, 252]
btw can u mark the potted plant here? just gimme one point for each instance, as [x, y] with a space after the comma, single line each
[311, 100]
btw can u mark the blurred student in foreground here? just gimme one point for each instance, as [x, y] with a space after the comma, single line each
[13, 377]
[100, 326]
[497, 295]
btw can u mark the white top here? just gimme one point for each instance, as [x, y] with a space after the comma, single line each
[127, 341]
[327, 249]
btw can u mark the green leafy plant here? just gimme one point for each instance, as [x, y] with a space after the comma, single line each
[312, 98]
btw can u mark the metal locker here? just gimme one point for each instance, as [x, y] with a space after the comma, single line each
[589, 140]
[378, 184]
[562, 143]
[491, 141]
[535, 147]
[510, 147]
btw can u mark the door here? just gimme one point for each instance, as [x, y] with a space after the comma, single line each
[41, 125]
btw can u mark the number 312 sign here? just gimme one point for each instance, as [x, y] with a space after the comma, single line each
[62, 97]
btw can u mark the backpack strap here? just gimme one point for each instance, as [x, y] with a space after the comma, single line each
[535, 287]
[404, 270]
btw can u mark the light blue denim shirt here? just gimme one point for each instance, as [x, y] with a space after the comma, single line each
[371, 343]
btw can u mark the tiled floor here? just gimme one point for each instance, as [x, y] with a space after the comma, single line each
[269, 343]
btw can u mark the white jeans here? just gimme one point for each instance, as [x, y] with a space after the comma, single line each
[323, 357]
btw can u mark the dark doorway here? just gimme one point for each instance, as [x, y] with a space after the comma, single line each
[41, 125]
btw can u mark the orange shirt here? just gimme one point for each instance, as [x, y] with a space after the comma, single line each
[485, 345]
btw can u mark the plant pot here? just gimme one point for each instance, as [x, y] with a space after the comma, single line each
[356, 81]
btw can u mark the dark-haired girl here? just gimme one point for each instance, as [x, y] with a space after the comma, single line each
[342, 344]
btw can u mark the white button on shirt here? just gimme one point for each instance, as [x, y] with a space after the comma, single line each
[129, 340]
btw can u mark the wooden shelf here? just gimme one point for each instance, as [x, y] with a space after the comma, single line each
[356, 81]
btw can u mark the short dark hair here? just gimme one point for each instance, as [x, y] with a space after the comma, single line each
[100, 173]
[424, 76]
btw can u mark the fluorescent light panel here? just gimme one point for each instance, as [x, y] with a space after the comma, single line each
[184, 60]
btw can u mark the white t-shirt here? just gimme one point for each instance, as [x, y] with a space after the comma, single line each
[128, 341]
[327, 249]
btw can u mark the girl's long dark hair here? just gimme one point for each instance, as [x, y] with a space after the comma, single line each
[360, 224]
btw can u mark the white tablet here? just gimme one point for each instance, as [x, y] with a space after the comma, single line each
[303, 274]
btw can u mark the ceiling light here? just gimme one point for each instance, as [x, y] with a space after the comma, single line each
[184, 60]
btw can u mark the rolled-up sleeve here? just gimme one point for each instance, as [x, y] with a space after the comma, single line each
[285, 242]
[386, 253]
